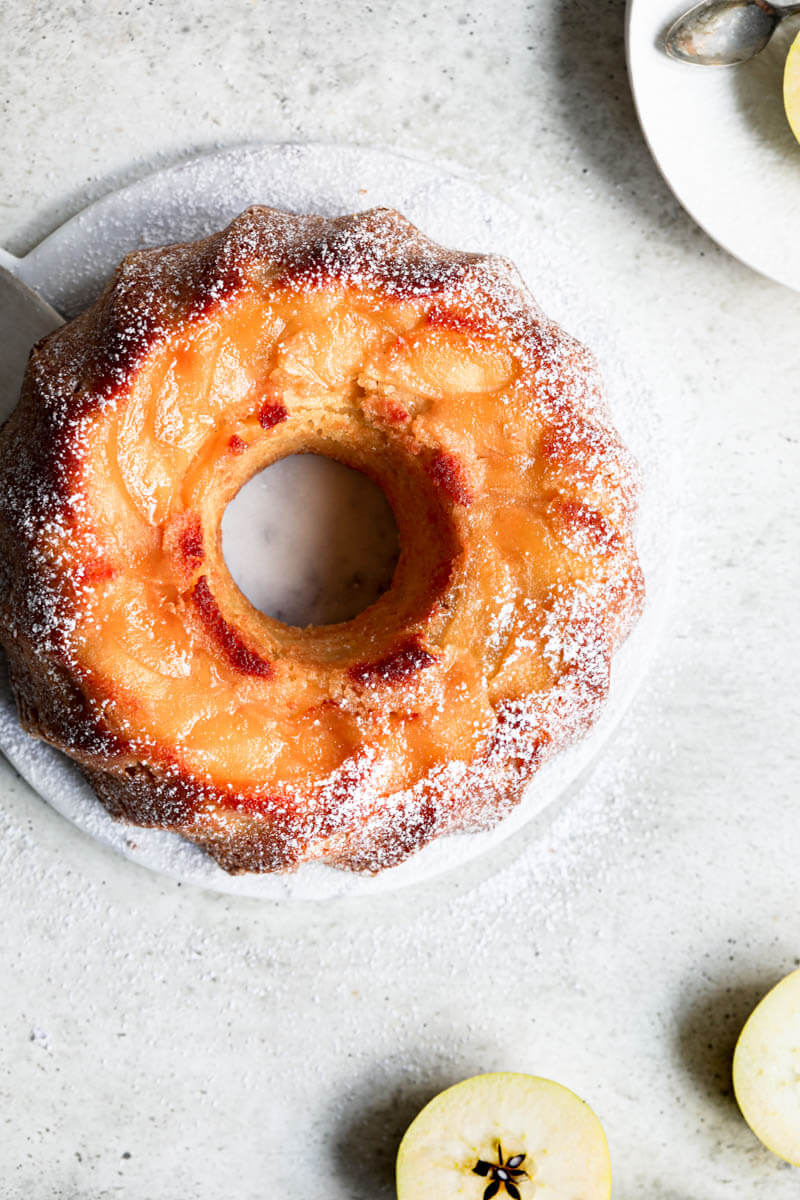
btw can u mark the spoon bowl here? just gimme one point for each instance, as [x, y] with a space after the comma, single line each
[722, 33]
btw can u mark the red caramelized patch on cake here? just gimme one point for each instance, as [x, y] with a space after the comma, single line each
[399, 665]
[190, 542]
[447, 472]
[581, 519]
[394, 412]
[270, 414]
[578, 452]
[458, 319]
[253, 802]
[385, 409]
[440, 579]
[95, 570]
[240, 656]
[236, 444]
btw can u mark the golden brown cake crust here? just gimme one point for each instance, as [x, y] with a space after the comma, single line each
[131, 648]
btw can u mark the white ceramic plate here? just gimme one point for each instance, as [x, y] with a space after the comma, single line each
[191, 200]
[722, 141]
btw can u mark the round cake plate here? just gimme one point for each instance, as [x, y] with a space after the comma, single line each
[193, 199]
[721, 139]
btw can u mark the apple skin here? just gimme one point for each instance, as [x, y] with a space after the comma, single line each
[562, 1141]
[791, 87]
[766, 1069]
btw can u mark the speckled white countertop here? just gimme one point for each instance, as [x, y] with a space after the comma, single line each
[159, 1042]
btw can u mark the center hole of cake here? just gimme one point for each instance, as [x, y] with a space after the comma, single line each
[309, 541]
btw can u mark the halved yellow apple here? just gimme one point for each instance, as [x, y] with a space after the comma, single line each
[766, 1069]
[791, 87]
[504, 1135]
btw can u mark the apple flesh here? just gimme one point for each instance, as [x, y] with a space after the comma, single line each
[766, 1069]
[791, 87]
[529, 1136]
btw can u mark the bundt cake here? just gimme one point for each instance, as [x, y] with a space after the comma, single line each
[132, 650]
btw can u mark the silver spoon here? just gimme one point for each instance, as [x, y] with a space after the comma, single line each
[721, 33]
